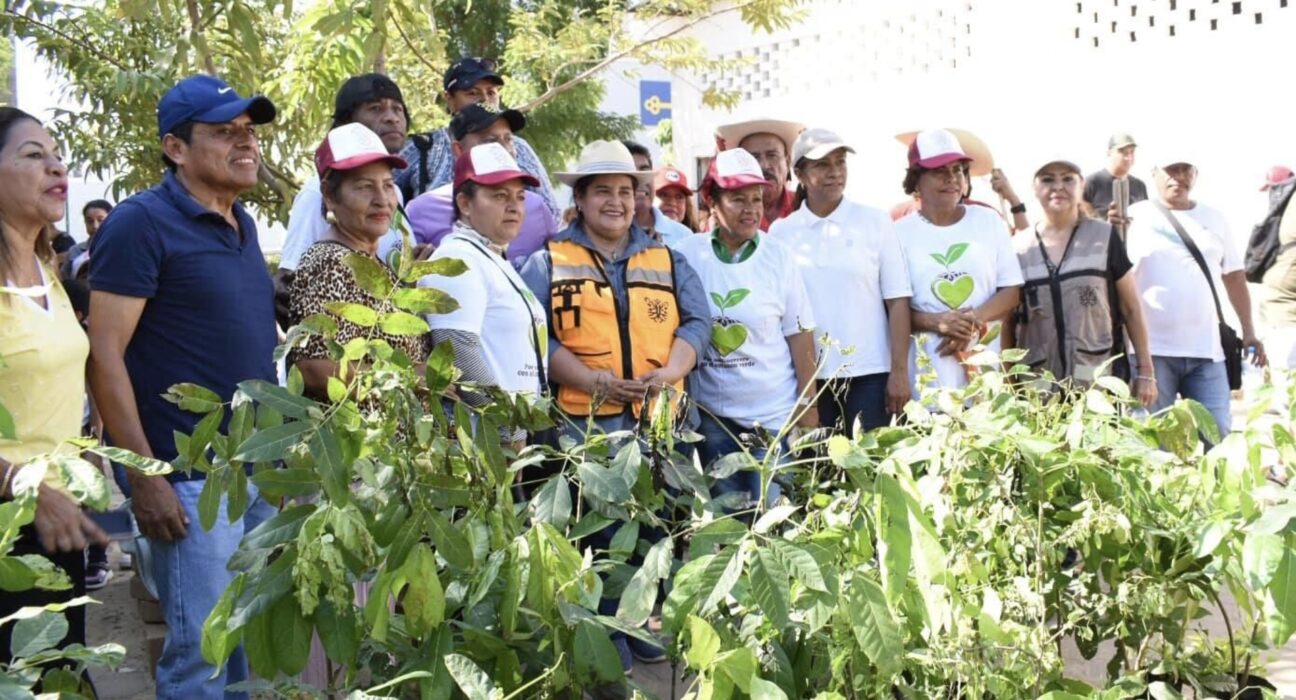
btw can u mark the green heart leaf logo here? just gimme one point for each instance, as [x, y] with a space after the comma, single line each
[726, 339]
[953, 293]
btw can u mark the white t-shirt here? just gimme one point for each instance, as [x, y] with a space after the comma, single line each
[1177, 303]
[306, 225]
[851, 261]
[746, 373]
[955, 267]
[490, 306]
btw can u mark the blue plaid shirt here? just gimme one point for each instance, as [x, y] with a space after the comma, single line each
[440, 168]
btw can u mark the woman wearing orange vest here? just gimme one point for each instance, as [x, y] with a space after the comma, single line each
[627, 318]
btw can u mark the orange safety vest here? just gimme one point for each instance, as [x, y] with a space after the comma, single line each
[584, 317]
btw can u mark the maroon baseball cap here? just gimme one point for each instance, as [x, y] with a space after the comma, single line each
[733, 169]
[1276, 175]
[935, 148]
[489, 164]
[351, 146]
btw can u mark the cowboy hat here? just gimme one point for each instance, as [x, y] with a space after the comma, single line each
[976, 149]
[605, 158]
[732, 135]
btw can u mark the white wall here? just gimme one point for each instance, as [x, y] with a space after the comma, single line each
[1015, 73]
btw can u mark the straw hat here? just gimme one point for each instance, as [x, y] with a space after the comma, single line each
[976, 149]
[605, 158]
[732, 135]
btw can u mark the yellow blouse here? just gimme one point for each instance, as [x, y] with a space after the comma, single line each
[43, 353]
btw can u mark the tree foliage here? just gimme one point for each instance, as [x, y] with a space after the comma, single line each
[119, 56]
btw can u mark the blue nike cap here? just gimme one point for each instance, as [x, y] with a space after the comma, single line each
[208, 99]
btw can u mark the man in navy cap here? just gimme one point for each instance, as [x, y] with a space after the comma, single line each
[180, 293]
[469, 80]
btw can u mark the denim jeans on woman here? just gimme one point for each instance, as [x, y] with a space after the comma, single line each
[719, 438]
[191, 576]
[846, 398]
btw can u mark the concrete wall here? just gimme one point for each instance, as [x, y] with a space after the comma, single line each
[1033, 79]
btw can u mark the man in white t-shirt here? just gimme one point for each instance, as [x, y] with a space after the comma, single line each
[375, 101]
[1182, 323]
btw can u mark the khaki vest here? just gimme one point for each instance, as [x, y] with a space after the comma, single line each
[1081, 291]
[585, 318]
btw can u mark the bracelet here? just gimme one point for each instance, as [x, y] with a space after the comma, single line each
[1146, 378]
[1018, 208]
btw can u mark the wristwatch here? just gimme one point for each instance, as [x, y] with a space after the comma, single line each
[1018, 208]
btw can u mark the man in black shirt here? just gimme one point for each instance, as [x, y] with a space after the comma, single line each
[1120, 160]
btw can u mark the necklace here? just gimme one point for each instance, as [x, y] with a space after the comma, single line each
[611, 253]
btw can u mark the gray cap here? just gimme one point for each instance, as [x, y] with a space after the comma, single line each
[1120, 140]
[815, 144]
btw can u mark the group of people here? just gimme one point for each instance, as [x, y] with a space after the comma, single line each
[750, 305]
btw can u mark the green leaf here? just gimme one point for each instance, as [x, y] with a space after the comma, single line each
[424, 300]
[271, 444]
[280, 399]
[335, 473]
[473, 681]
[1281, 603]
[590, 524]
[259, 646]
[203, 434]
[280, 528]
[338, 631]
[286, 483]
[955, 252]
[773, 517]
[740, 666]
[940, 259]
[450, 541]
[15, 575]
[1205, 421]
[896, 542]
[595, 657]
[446, 267]
[84, 481]
[762, 689]
[424, 600]
[358, 314]
[209, 501]
[7, 430]
[1261, 555]
[769, 587]
[703, 645]
[402, 323]
[602, 483]
[193, 398]
[876, 630]
[218, 641]
[290, 632]
[732, 562]
[719, 300]
[800, 564]
[36, 634]
[440, 367]
[552, 503]
[144, 465]
[369, 274]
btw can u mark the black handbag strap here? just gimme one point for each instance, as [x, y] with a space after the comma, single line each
[1196, 253]
[535, 333]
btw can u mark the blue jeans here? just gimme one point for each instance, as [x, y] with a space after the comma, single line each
[718, 440]
[1200, 379]
[190, 575]
[847, 397]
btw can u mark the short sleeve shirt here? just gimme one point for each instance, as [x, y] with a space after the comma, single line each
[209, 314]
[1098, 191]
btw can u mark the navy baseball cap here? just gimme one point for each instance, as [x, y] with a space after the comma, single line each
[470, 70]
[207, 99]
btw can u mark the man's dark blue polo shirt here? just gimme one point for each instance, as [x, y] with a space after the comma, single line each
[209, 318]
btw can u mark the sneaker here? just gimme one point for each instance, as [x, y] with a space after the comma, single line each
[623, 651]
[126, 561]
[97, 577]
[646, 652]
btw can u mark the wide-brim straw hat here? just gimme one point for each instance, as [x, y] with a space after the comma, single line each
[732, 135]
[605, 158]
[976, 149]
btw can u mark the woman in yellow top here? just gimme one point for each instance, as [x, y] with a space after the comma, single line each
[43, 352]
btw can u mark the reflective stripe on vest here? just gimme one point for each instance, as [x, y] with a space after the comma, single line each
[585, 318]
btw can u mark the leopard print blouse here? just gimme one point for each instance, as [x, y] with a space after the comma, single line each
[323, 277]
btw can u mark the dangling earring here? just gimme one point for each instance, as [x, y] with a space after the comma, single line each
[330, 217]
